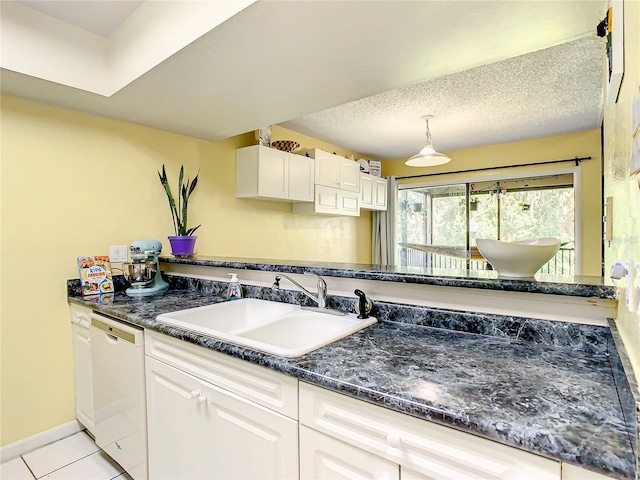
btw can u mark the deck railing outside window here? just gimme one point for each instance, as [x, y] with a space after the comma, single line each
[561, 264]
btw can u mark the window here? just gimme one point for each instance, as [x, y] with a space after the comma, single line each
[434, 227]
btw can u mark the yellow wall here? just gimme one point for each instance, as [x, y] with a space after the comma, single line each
[623, 187]
[74, 184]
[581, 144]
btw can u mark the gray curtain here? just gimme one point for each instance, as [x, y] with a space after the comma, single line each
[383, 228]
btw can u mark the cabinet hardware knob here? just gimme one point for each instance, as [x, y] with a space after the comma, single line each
[202, 399]
[194, 394]
[394, 440]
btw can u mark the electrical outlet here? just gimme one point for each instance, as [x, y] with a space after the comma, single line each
[118, 253]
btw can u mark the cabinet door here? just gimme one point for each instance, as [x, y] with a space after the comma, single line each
[174, 423]
[273, 174]
[198, 430]
[349, 203]
[83, 375]
[262, 173]
[323, 457]
[301, 178]
[327, 169]
[408, 474]
[366, 191]
[327, 200]
[380, 193]
[245, 440]
[349, 175]
[373, 192]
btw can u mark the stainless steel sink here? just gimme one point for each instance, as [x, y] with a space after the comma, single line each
[272, 327]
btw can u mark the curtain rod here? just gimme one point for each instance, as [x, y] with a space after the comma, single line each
[576, 159]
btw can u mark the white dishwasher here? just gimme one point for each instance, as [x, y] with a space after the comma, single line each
[117, 355]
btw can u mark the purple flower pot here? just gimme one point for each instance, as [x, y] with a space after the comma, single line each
[182, 246]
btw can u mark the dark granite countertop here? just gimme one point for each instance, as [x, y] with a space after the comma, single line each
[560, 402]
[570, 285]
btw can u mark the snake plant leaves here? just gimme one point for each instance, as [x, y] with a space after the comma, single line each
[179, 209]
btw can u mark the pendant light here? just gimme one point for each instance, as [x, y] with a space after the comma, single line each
[427, 157]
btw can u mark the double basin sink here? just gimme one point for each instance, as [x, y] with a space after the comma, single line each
[276, 328]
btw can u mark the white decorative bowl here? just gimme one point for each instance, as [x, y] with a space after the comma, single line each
[518, 259]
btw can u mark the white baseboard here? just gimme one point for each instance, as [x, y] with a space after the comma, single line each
[26, 445]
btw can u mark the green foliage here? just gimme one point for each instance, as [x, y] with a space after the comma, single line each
[179, 210]
[550, 213]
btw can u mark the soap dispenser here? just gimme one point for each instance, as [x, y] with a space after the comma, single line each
[234, 291]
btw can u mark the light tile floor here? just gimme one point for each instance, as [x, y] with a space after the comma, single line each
[73, 458]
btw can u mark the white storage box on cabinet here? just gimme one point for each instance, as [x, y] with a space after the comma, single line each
[332, 170]
[213, 416]
[373, 192]
[421, 448]
[83, 377]
[270, 174]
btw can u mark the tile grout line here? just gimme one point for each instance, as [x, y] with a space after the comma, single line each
[28, 467]
[63, 466]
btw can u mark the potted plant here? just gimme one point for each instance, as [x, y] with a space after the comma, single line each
[183, 243]
[473, 204]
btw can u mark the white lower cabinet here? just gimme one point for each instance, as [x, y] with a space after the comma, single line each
[571, 472]
[216, 417]
[200, 430]
[408, 474]
[323, 457]
[175, 423]
[83, 377]
[423, 450]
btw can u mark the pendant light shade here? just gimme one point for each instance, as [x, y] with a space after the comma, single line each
[427, 157]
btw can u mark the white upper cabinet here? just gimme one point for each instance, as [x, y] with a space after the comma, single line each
[332, 170]
[330, 201]
[270, 174]
[337, 186]
[373, 192]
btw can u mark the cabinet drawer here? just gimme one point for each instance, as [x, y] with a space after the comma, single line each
[429, 449]
[324, 457]
[267, 388]
[80, 315]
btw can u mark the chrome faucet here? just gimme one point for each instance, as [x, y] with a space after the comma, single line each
[320, 299]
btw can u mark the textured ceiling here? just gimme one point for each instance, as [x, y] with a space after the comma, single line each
[490, 71]
[549, 92]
